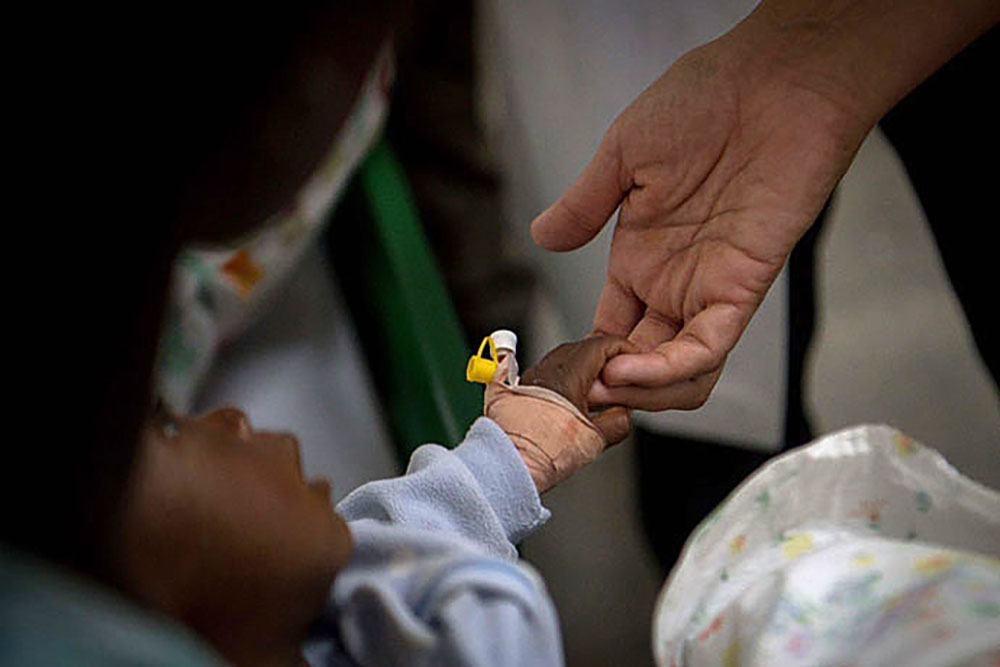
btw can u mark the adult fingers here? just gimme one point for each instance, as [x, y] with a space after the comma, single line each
[585, 207]
[618, 310]
[685, 395]
[598, 394]
[653, 330]
[614, 424]
[700, 347]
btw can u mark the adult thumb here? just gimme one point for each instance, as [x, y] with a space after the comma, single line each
[581, 211]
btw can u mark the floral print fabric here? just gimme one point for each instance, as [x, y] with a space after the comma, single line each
[215, 294]
[863, 548]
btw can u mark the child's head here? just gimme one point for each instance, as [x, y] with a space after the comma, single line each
[198, 123]
[222, 532]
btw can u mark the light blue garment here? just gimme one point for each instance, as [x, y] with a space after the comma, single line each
[50, 616]
[434, 579]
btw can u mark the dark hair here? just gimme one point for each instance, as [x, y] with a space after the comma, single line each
[122, 122]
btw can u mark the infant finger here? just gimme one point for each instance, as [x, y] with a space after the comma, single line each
[614, 424]
[652, 330]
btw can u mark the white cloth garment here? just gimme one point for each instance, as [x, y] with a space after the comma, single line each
[863, 548]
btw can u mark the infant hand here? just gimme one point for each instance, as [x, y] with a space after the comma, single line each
[547, 416]
[572, 368]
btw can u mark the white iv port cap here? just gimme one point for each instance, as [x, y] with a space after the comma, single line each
[505, 339]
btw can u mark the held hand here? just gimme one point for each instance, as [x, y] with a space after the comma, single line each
[572, 368]
[719, 168]
[554, 438]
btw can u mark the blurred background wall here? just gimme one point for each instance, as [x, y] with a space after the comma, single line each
[891, 344]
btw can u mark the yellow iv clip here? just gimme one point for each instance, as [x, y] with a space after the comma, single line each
[481, 369]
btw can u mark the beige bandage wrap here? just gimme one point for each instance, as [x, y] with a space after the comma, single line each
[553, 437]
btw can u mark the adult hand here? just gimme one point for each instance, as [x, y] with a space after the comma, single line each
[722, 164]
[719, 167]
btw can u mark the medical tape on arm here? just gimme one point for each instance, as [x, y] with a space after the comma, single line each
[554, 438]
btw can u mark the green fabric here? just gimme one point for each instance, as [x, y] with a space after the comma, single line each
[412, 336]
